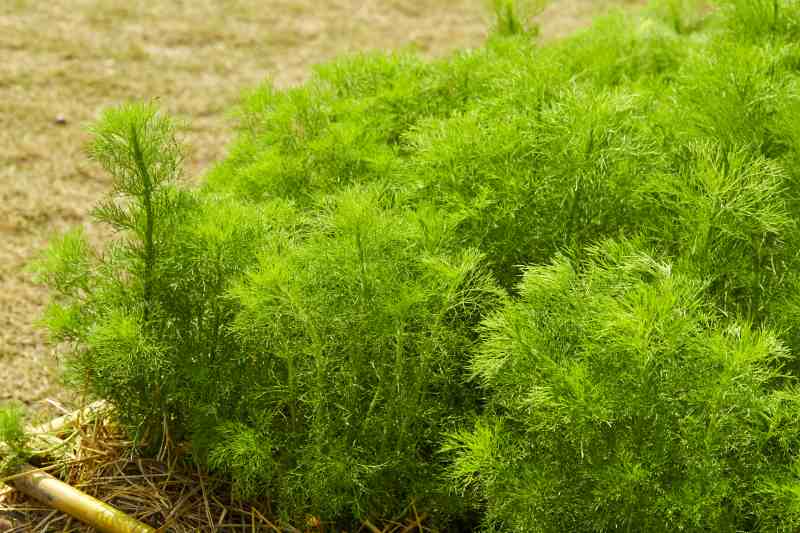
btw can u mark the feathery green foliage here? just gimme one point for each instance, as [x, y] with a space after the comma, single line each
[14, 448]
[512, 16]
[619, 400]
[308, 318]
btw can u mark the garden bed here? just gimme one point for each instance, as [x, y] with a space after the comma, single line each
[526, 288]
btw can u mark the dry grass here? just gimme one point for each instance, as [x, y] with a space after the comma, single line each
[65, 60]
[164, 493]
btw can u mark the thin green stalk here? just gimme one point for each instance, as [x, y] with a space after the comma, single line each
[572, 227]
[147, 200]
[775, 13]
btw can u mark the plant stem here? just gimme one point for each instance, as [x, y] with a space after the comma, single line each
[147, 199]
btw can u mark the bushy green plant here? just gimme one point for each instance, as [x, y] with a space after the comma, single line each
[513, 17]
[313, 354]
[355, 341]
[307, 316]
[519, 184]
[725, 215]
[619, 401]
[14, 445]
[759, 19]
[684, 16]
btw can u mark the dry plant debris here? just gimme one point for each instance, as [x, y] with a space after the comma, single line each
[163, 492]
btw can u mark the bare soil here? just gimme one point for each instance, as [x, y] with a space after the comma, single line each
[63, 61]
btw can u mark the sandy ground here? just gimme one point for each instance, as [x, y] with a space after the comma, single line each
[62, 61]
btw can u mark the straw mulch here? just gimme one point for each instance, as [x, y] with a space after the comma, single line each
[163, 492]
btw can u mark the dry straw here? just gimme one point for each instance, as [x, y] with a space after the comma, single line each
[164, 493]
